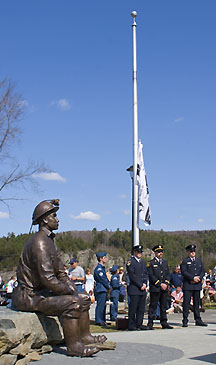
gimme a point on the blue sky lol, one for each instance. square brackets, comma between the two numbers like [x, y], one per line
[72, 62]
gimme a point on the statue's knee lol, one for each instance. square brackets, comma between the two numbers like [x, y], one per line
[73, 311]
[76, 312]
[86, 301]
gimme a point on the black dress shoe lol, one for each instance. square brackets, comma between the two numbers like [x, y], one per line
[141, 328]
[201, 323]
[184, 324]
[149, 327]
[132, 329]
[102, 324]
[166, 326]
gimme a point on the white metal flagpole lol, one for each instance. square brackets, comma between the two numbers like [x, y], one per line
[135, 203]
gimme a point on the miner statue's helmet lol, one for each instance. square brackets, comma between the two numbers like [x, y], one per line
[43, 209]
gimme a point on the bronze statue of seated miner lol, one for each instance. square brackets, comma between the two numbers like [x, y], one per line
[43, 285]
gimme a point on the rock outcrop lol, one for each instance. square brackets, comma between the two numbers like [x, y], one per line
[25, 336]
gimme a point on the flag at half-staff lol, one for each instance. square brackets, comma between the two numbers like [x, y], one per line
[144, 210]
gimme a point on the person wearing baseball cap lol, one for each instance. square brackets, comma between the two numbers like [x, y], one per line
[77, 275]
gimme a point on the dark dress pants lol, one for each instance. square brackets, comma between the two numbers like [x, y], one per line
[100, 311]
[156, 297]
[113, 308]
[136, 310]
[186, 304]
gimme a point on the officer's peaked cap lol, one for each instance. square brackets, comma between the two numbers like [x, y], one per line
[157, 248]
[191, 248]
[138, 248]
[101, 254]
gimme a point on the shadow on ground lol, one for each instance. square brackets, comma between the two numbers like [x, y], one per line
[210, 358]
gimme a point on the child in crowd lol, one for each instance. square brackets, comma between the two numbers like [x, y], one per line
[114, 295]
[176, 301]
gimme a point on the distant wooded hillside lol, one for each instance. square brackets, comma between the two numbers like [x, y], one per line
[118, 244]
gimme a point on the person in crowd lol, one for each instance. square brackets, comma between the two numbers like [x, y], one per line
[77, 274]
[102, 286]
[157, 314]
[138, 278]
[176, 301]
[211, 278]
[121, 274]
[127, 296]
[44, 286]
[11, 285]
[159, 279]
[92, 297]
[209, 290]
[108, 274]
[122, 279]
[89, 281]
[193, 272]
[203, 295]
[115, 292]
[176, 278]
[1, 282]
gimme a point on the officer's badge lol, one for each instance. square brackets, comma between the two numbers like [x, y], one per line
[128, 263]
[148, 264]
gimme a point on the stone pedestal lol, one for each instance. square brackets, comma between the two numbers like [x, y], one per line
[25, 333]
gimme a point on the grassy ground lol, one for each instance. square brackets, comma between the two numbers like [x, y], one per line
[99, 329]
[112, 326]
[210, 306]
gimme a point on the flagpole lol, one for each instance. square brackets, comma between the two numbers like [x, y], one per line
[135, 205]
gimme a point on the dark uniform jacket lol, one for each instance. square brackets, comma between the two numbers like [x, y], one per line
[189, 269]
[138, 275]
[40, 272]
[158, 274]
[102, 283]
[115, 285]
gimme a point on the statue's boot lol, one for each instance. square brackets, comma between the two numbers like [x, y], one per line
[75, 347]
[85, 334]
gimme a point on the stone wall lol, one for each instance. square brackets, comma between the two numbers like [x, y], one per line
[25, 336]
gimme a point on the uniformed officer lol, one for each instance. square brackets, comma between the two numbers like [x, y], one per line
[159, 279]
[138, 276]
[102, 286]
[193, 271]
[114, 294]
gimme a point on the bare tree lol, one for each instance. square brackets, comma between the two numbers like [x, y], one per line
[12, 108]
